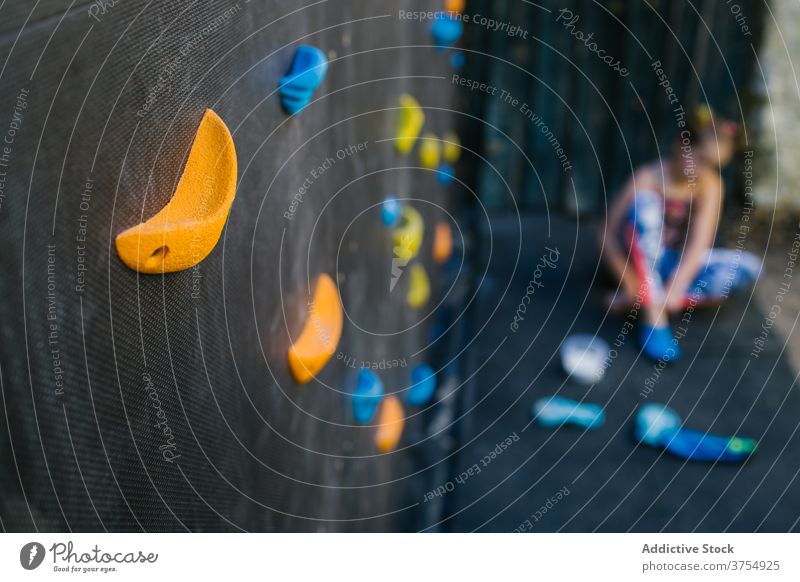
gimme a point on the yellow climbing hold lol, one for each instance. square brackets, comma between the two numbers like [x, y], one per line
[430, 151]
[321, 334]
[186, 230]
[390, 424]
[442, 242]
[419, 288]
[408, 234]
[452, 147]
[409, 123]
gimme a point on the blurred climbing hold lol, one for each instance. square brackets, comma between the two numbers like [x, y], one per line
[186, 230]
[553, 411]
[419, 287]
[423, 385]
[321, 333]
[430, 151]
[659, 426]
[584, 356]
[442, 242]
[446, 174]
[454, 6]
[408, 234]
[410, 121]
[306, 74]
[367, 396]
[390, 424]
[451, 147]
[447, 29]
[391, 211]
[457, 60]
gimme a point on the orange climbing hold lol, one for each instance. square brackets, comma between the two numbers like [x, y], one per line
[442, 242]
[390, 424]
[186, 230]
[456, 6]
[320, 336]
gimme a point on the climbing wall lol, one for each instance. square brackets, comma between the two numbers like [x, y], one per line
[134, 401]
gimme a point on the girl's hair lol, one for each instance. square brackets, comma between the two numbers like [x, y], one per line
[703, 123]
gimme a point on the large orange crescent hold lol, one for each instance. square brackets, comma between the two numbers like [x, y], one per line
[321, 334]
[390, 424]
[186, 230]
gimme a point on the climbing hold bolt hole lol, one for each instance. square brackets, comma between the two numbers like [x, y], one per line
[159, 254]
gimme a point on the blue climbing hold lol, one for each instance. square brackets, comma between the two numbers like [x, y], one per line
[446, 174]
[554, 411]
[305, 75]
[367, 396]
[446, 30]
[391, 211]
[660, 426]
[423, 385]
[458, 60]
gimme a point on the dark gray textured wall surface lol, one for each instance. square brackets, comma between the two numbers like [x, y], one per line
[113, 102]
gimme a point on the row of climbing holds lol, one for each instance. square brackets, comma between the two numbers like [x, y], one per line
[307, 72]
[321, 333]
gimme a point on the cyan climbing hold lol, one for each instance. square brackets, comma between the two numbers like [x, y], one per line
[408, 234]
[446, 174]
[451, 147]
[419, 288]
[305, 75]
[554, 411]
[430, 151]
[659, 426]
[186, 230]
[446, 30]
[367, 396]
[391, 211]
[423, 385]
[409, 123]
[321, 333]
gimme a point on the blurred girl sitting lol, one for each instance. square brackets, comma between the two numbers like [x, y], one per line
[665, 219]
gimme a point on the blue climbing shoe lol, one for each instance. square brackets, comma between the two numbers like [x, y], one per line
[554, 411]
[659, 426]
[446, 31]
[367, 396]
[305, 75]
[391, 211]
[423, 385]
[657, 343]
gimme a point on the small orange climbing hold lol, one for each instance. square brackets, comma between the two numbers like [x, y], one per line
[390, 424]
[442, 242]
[186, 230]
[456, 6]
[321, 334]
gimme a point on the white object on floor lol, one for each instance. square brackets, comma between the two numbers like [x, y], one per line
[584, 356]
